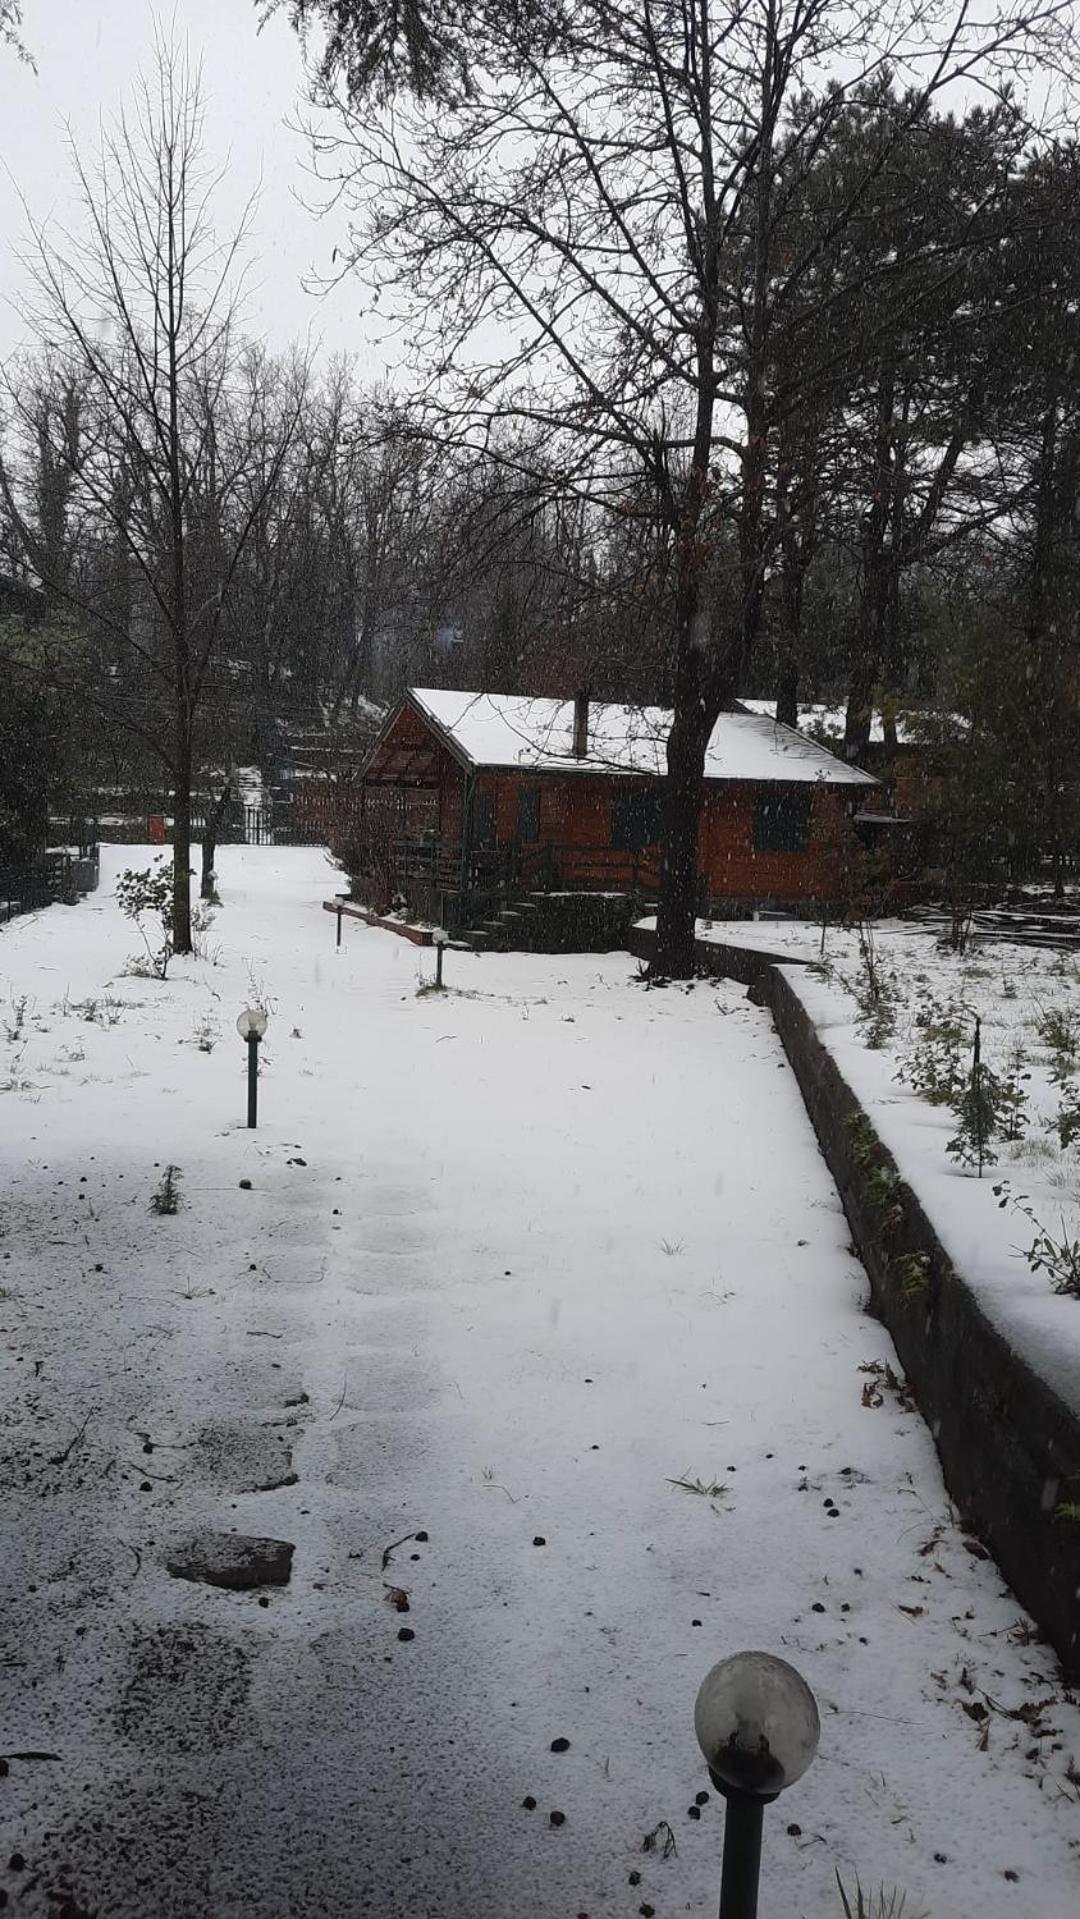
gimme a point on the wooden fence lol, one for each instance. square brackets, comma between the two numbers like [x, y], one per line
[56, 875]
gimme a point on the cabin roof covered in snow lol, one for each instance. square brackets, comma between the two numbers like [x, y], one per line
[510, 730]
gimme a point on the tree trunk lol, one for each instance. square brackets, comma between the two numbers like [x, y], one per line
[795, 514]
[787, 690]
[866, 665]
[676, 921]
[208, 882]
[182, 838]
[708, 675]
[793, 577]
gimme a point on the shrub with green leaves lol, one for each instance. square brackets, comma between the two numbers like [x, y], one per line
[1057, 1257]
[1058, 1028]
[877, 993]
[147, 896]
[910, 1273]
[1066, 1121]
[166, 1199]
[932, 1064]
[1013, 1099]
[977, 1111]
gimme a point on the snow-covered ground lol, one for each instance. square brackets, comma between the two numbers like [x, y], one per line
[513, 1262]
[1028, 1002]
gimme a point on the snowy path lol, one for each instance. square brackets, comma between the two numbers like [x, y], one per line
[531, 1255]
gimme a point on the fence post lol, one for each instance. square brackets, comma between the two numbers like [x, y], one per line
[338, 940]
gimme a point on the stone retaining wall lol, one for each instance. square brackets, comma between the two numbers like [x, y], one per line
[1009, 1445]
[745, 963]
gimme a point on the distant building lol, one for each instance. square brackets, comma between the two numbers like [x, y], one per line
[909, 770]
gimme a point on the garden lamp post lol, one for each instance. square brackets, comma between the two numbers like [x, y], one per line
[757, 1724]
[440, 939]
[251, 1026]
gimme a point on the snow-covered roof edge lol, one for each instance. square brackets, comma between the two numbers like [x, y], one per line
[493, 730]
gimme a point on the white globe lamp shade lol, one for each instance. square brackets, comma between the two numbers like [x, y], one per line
[252, 1022]
[757, 1724]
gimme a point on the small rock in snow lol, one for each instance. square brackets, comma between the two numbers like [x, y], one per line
[234, 1561]
[557, 1818]
[245, 1186]
[539, 1540]
[560, 1745]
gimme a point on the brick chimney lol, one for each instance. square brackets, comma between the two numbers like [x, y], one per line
[581, 725]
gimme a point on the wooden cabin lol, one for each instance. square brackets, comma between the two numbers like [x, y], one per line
[470, 798]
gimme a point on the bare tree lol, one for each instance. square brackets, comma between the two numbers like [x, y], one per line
[11, 29]
[138, 309]
[592, 244]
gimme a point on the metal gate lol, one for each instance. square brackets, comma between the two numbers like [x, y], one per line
[256, 827]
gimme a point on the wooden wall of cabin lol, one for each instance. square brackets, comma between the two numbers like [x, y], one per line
[732, 867]
[576, 811]
[572, 811]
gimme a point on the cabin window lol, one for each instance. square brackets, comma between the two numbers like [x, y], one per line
[528, 815]
[782, 822]
[635, 821]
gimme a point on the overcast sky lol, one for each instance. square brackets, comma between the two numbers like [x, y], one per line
[87, 53]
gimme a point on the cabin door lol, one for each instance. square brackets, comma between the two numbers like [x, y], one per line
[483, 820]
[528, 815]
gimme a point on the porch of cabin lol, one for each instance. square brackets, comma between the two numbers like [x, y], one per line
[457, 846]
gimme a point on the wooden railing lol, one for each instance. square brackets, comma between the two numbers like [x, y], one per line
[443, 882]
[592, 869]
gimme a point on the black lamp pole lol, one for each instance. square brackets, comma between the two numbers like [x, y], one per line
[742, 1852]
[253, 1078]
[758, 1727]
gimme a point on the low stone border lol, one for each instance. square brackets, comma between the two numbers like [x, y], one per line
[748, 964]
[1009, 1445]
[419, 935]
